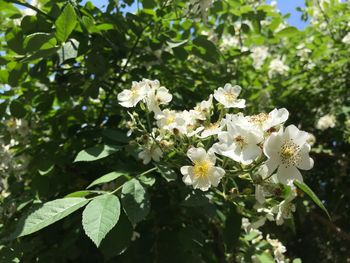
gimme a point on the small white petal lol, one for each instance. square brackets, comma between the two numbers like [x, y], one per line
[284, 175]
[305, 163]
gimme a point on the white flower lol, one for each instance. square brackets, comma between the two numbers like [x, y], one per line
[202, 110]
[170, 120]
[156, 97]
[211, 129]
[267, 121]
[285, 209]
[129, 98]
[259, 54]
[277, 66]
[288, 151]
[229, 41]
[203, 174]
[151, 153]
[227, 96]
[239, 143]
[346, 39]
[278, 249]
[325, 122]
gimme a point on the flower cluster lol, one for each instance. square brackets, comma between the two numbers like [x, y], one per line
[221, 142]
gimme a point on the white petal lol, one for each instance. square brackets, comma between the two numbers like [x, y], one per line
[305, 163]
[272, 164]
[196, 154]
[250, 153]
[240, 103]
[216, 173]
[284, 175]
[272, 144]
[299, 137]
[202, 183]
[187, 178]
[259, 194]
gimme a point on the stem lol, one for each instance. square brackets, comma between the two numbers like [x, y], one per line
[144, 173]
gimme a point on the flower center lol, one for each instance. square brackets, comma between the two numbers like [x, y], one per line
[134, 92]
[239, 140]
[289, 153]
[212, 126]
[259, 118]
[230, 97]
[201, 168]
[170, 119]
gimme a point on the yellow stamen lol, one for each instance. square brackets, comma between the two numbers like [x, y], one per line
[230, 96]
[201, 168]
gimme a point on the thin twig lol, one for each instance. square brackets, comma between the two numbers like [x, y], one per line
[31, 7]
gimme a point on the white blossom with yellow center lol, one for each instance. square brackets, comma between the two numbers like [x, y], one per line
[287, 151]
[240, 142]
[203, 173]
[171, 120]
[228, 95]
[130, 97]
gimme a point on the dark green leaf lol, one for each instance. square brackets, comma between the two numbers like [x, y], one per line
[312, 195]
[135, 201]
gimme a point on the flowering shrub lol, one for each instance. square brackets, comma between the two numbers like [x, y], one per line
[180, 169]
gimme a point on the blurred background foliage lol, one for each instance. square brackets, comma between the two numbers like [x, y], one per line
[59, 79]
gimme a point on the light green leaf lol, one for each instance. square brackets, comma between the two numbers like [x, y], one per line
[96, 153]
[65, 23]
[307, 190]
[106, 178]
[287, 32]
[48, 214]
[78, 194]
[265, 258]
[135, 201]
[100, 216]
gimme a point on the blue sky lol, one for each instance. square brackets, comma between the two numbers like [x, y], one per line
[285, 6]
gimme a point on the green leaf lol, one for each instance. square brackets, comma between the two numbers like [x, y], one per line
[176, 44]
[205, 49]
[96, 153]
[232, 229]
[167, 173]
[65, 23]
[39, 41]
[265, 258]
[100, 216]
[68, 50]
[303, 187]
[118, 239]
[48, 214]
[44, 53]
[116, 135]
[135, 201]
[82, 193]
[288, 32]
[17, 110]
[106, 178]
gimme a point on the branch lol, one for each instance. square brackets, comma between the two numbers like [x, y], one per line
[17, 2]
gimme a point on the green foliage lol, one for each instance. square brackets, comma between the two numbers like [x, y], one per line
[100, 216]
[65, 23]
[135, 201]
[61, 68]
[48, 214]
[312, 195]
